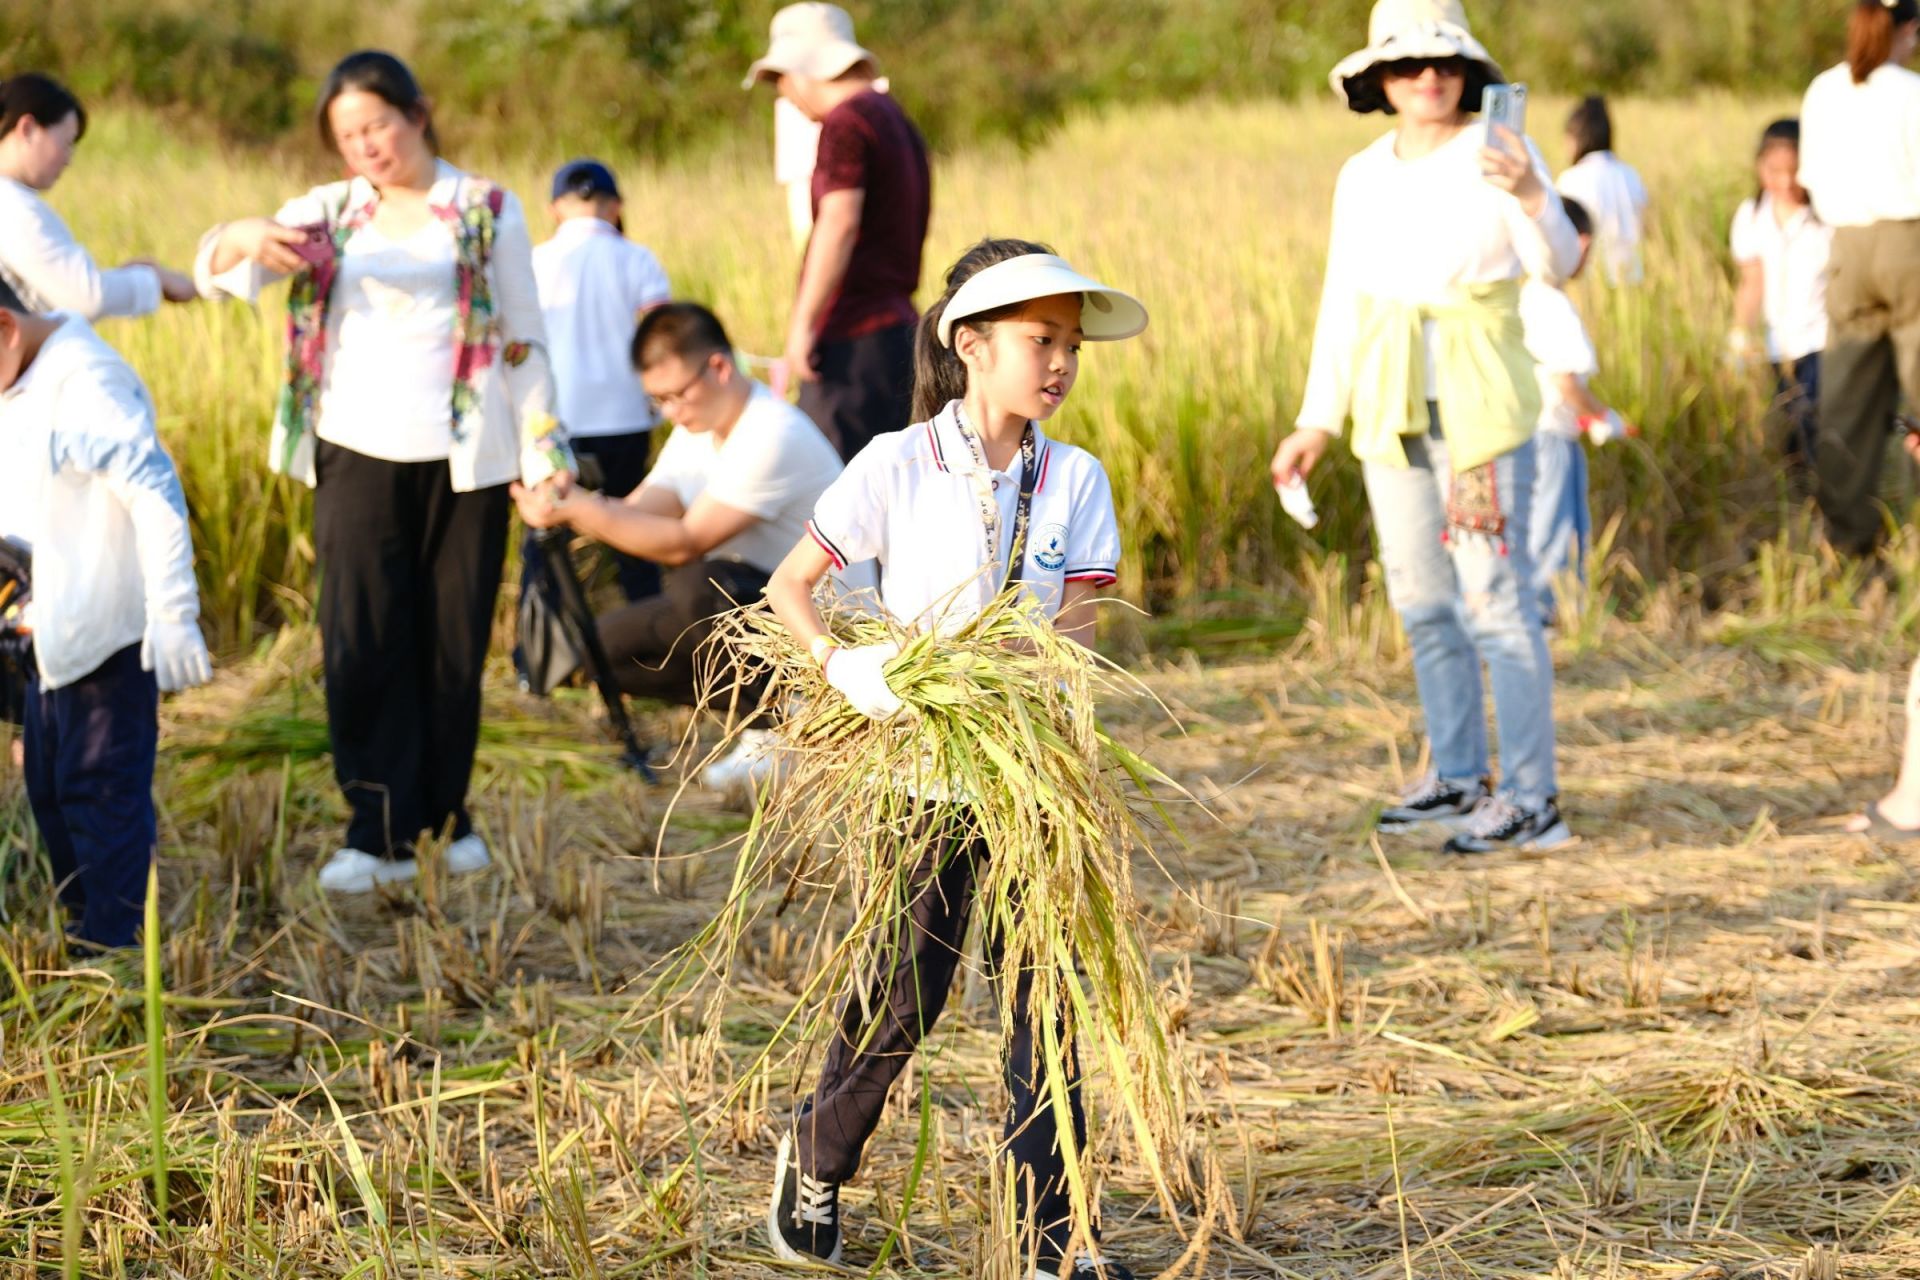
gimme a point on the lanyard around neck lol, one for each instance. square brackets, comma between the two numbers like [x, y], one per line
[990, 506]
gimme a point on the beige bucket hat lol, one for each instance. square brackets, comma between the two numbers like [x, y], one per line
[1403, 29]
[812, 40]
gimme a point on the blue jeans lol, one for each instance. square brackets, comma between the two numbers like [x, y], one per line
[1562, 523]
[1465, 601]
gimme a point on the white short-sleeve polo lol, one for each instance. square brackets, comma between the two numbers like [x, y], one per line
[912, 500]
[1793, 264]
[1558, 343]
[593, 284]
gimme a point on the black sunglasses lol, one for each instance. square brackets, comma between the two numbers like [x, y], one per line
[1413, 68]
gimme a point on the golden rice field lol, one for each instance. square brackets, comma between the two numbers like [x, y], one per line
[1687, 1047]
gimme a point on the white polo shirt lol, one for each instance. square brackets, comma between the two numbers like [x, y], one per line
[1793, 263]
[593, 284]
[773, 465]
[913, 501]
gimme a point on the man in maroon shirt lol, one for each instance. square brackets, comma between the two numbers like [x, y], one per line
[850, 335]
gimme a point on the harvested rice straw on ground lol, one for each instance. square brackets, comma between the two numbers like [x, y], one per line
[999, 742]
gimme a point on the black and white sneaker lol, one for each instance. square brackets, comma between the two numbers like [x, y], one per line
[1086, 1266]
[803, 1221]
[1433, 799]
[1499, 824]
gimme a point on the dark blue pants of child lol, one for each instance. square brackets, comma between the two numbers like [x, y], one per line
[90, 749]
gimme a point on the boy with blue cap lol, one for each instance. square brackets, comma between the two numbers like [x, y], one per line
[595, 284]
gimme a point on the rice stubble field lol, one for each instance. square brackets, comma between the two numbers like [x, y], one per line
[1683, 1047]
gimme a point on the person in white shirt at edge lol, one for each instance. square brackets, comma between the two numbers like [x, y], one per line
[1610, 189]
[595, 284]
[88, 491]
[1569, 411]
[728, 496]
[938, 505]
[796, 141]
[1782, 248]
[46, 268]
[1860, 164]
[1419, 340]
[418, 385]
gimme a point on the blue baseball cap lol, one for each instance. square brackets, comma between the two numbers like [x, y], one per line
[584, 178]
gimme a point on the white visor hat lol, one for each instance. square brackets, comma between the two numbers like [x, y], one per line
[1106, 315]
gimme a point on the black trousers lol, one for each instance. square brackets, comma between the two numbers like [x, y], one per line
[623, 464]
[90, 749]
[658, 646]
[409, 570]
[865, 388]
[907, 997]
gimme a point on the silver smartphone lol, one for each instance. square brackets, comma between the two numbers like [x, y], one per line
[1505, 104]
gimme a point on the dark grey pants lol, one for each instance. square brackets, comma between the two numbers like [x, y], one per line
[865, 388]
[907, 997]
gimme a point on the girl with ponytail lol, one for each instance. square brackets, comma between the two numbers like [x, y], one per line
[1860, 163]
[972, 499]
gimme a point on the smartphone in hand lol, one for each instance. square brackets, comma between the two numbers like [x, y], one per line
[1504, 104]
[316, 245]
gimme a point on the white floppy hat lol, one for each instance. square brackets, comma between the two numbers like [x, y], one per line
[1107, 315]
[812, 40]
[1404, 29]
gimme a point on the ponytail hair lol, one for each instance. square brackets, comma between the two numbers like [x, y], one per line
[1870, 31]
[1590, 127]
[939, 376]
[41, 97]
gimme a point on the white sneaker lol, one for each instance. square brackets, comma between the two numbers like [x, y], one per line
[468, 853]
[752, 762]
[351, 871]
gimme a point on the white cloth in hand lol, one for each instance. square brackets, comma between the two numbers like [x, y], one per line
[858, 674]
[176, 653]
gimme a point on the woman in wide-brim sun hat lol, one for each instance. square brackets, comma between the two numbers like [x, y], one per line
[1419, 343]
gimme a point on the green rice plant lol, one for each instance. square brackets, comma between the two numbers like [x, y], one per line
[999, 744]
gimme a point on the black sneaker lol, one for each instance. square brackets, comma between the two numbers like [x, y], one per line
[1500, 824]
[1086, 1266]
[803, 1221]
[1432, 799]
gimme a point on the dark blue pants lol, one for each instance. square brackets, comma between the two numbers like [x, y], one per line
[90, 750]
[1797, 399]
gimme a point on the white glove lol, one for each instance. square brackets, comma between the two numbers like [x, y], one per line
[857, 674]
[1602, 430]
[176, 653]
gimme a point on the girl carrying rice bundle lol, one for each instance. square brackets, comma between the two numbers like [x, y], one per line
[945, 745]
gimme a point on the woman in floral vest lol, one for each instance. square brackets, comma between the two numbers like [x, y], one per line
[417, 388]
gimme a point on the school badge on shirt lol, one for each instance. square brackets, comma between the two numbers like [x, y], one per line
[1050, 547]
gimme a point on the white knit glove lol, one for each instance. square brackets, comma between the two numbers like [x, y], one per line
[858, 674]
[176, 653]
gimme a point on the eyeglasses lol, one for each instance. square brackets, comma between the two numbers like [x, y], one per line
[1414, 68]
[665, 403]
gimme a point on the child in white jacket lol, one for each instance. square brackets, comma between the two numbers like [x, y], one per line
[86, 488]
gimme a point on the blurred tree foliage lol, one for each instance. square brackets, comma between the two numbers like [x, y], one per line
[552, 76]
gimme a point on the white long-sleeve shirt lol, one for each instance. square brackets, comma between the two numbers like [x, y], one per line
[51, 271]
[510, 394]
[1417, 231]
[1860, 146]
[1614, 195]
[85, 484]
